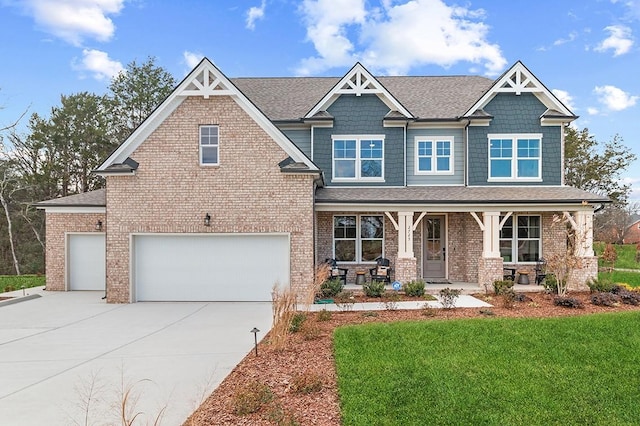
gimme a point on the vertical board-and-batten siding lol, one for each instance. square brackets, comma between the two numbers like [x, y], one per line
[457, 178]
[515, 114]
[361, 115]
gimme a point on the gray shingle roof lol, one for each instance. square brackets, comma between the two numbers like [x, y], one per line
[457, 195]
[97, 198]
[435, 98]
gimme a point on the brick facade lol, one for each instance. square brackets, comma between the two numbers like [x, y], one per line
[58, 225]
[171, 192]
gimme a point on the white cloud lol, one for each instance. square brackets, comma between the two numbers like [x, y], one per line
[99, 64]
[564, 97]
[75, 20]
[254, 13]
[571, 37]
[395, 37]
[614, 98]
[620, 40]
[592, 111]
[192, 59]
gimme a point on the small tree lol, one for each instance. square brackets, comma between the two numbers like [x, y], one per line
[609, 256]
[563, 263]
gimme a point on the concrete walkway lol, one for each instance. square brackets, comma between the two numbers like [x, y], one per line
[463, 301]
[66, 357]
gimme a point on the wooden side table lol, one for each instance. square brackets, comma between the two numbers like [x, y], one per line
[360, 277]
[523, 277]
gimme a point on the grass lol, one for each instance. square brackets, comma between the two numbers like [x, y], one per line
[631, 278]
[16, 282]
[554, 371]
[626, 255]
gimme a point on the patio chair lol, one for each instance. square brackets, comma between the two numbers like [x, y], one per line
[336, 272]
[382, 271]
[509, 274]
[541, 271]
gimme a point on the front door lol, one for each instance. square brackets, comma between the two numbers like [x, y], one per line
[434, 248]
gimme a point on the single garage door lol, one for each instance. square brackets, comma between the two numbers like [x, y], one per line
[236, 267]
[86, 261]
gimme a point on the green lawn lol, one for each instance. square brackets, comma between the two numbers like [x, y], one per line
[631, 278]
[16, 282]
[626, 255]
[554, 371]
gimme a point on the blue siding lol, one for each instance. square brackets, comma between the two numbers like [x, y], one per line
[301, 138]
[458, 158]
[361, 115]
[515, 114]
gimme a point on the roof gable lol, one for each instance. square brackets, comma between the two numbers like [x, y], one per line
[517, 80]
[204, 80]
[358, 81]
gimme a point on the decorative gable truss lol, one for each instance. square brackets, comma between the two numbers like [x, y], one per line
[358, 81]
[204, 80]
[517, 80]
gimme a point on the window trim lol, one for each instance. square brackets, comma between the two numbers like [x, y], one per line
[358, 238]
[201, 145]
[514, 157]
[358, 159]
[434, 158]
[514, 239]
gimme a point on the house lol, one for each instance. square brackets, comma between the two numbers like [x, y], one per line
[632, 233]
[232, 185]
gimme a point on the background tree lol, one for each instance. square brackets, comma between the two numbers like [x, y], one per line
[135, 93]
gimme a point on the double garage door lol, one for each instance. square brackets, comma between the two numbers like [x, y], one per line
[234, 267]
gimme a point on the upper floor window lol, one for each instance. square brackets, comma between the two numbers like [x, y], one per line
[434, 155]
[358, 158]
[209, 153]
[515, 156]
[521, 239]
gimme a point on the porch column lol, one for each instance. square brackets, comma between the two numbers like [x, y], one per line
[584, 233]
[582, 223]
[405, 268]
[490, 263]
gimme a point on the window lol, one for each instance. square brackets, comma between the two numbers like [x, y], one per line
[209, 145]
[522, 242]
[358, 157]
[434, 155]
[358, 238]
[515, 157]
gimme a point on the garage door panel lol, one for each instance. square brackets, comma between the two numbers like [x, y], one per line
[202, 268]
[86, 261]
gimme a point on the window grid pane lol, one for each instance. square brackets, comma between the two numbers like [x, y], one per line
[208, 144]
[524, 244]
[358, 238]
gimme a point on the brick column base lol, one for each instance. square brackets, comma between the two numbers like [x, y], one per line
[579, 277]
[406, 269]
[489, 270]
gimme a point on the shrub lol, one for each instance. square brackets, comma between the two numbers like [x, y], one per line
[310, 331]
[324, 315]
[521, 297]
[279, 416]
[391, 304]
[508, 298]
[429, 311]
[251, 398]
[627, 297]
[600, 285]
[296, 322]
[306, 383]
[500, 286]
[344, 300]
[568, 302]
[550, 284]
[609, 256]
[330, 288]
[414, 288]
[373, 289]
[605, 299]
[448, 297]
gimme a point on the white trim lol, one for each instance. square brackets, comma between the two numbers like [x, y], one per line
[214, 83]
[515, 239]
[73, 209]
[519, 79]
[434, 156]
[358, 81]
[358, 238]
[217, 145]
[358, 159]
[413, 125]
[514, 156]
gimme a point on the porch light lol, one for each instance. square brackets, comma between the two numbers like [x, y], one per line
[99, 225]
[207, 219]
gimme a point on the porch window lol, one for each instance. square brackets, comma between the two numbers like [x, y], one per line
[523, 242]
[358, 238]
[358, 158]
[209, 146]
[434, 155]
[515, 157]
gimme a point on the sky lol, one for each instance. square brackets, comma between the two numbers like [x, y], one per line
[587, 52]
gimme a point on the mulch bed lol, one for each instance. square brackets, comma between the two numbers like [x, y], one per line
[309, 355]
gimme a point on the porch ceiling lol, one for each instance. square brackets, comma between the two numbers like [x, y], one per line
[458, 198]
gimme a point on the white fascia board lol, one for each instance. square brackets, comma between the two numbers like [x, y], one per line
[450, 208]
[540, 90]
[72, 209]
[183, 90]
[377, 89]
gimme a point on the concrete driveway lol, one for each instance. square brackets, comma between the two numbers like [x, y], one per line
[66, 358]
